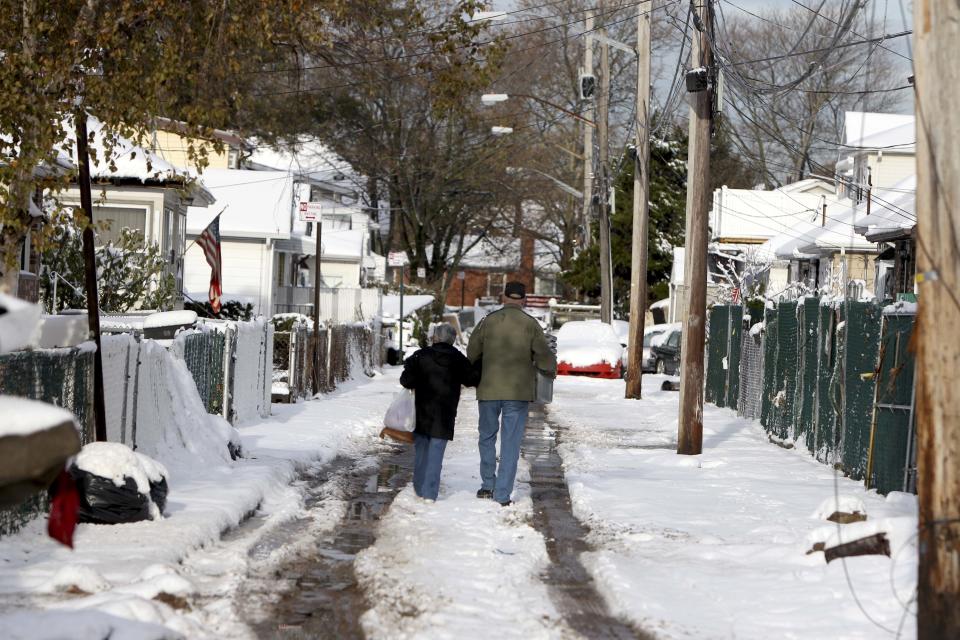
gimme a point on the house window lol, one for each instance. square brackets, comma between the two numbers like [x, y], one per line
[119, 218]
[281, 269]
[495, 282]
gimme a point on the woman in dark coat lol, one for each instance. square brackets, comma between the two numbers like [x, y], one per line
[435, 374]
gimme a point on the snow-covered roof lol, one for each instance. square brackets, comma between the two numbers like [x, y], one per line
[838, 233]
[259, 204]
[760, 214]
[128, 161]
[869, 130]
[343, 244]
[411, 304]
[311, 159]
[892, 212]
[502, 253]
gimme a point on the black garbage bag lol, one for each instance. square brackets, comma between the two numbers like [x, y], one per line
[158, 493]
[103, 502]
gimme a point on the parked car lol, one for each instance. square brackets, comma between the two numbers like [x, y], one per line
[589, 349]
[647, 364]
[665, 351]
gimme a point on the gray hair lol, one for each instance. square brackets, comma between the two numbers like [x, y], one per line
[444, 332]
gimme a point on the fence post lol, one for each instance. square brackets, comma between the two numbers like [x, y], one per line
[227, 373]
[330, 377]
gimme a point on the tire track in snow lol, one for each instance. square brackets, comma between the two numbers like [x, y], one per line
[571, 586]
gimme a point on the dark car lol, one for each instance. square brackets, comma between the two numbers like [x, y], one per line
[666, 352]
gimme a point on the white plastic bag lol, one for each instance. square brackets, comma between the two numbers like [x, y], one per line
[402, 413]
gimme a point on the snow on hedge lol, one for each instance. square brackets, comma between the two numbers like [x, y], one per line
[23, 417]
[18, 323]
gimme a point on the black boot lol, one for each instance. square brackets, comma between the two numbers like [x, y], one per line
[486, 494]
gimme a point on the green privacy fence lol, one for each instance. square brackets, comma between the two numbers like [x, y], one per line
[833, 377]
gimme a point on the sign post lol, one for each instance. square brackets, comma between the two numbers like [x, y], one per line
[399, 259]
[462, 277]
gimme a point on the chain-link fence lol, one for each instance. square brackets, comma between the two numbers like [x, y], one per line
[203, 353]
[63, 377]
[834, 377]
[345, 352]
[751, 370]
[891, 460]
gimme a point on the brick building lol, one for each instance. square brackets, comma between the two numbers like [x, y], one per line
[495, 261]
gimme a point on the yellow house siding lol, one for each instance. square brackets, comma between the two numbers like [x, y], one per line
[173, 147]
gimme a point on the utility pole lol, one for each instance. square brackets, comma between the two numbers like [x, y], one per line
[641, 186]
[90, 273]
[690, 426]
[588, 135]
[937, 29]
[603, 106]
[318, 260]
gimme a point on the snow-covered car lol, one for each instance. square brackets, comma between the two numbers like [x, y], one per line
[665, 350]
[589, 349]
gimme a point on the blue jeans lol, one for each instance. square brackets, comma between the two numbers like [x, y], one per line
[427, 462]
[514, 422]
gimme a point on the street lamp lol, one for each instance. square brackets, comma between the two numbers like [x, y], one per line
[490, 99]
[501, 131]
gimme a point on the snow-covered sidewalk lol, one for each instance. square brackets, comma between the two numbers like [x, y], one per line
[140, 572]
[459, 567]
[715, 545]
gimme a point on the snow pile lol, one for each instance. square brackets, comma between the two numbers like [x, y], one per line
[582, 343]
[74, 577]
[23, 417]
[173, 425]
[80, 625]
[18, 323]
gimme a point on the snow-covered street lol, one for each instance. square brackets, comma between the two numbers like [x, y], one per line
[710, 546]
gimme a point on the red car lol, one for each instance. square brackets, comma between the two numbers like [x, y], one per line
[589, 348]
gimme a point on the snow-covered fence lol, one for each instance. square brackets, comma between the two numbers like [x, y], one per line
[250, 373]
[835, 377]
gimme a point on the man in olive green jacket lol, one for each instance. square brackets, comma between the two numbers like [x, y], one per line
[510, 347]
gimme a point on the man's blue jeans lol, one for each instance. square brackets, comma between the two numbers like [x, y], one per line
[514, 423]
[427, 463]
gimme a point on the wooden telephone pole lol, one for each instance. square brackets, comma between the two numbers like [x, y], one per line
[588, 135]
[606, 257]
[641, 190]
[937, 29]
[90, 273]
[690, 426]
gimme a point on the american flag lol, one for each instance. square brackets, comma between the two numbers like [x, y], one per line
[736, 295]
[209, 241]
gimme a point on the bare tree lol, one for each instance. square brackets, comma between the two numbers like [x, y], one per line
[790, 77]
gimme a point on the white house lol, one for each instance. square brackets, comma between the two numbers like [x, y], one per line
[269, 230]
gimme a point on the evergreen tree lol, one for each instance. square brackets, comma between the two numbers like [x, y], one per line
[666, 229]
